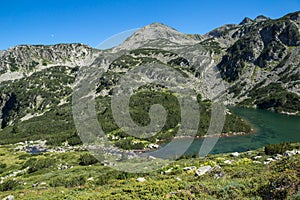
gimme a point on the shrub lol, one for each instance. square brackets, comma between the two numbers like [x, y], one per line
[102, 179]
[280, 186]
[75, 140]
[8, 185]
[87, 159]
[2, 167]
[35, 164]
[273, 149]
[232, 190]
[138, 146]
[68, 182]
[23, 156]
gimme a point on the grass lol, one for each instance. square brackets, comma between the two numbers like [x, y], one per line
[243, 179]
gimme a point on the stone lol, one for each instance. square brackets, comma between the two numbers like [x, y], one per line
[189, 168]
[278, 157]
[257, 157]
[152, 157]
[90, 179]
[9, 197]
[288, 153]
[217, 172]
[219, 175]
[228, 162]
[292, 153]
[270, 159]
[267, 162]
[63, 166]
[153, 146]
[141, 179]
[35, 185]
[168, 171]
[203, 170]
[235, 154]
[215, 168]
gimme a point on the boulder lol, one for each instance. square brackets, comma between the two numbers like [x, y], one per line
[277, 157]
[90, 179]
[43, 183]
[9, 197]
[270, 159]
[228, 162]
[235, 154]
[257, 157]
[292, 153]
[203, 170]
[219, 175]
[141, 179]
[35, 185]
[168, 171]
[267, 162]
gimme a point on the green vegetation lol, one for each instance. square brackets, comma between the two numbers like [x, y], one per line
[55, 126]
[28, 95]
[234, 62]
[273, 96]
[212, 45]
[274, 51]
[61, 127]
[87, 159]
[273, 149]
[68, 182]
[129, 62]
[38, 107]
[151, 52]
[35, 164]
[8, 185]
[245, 178]
[179, 61]
[139, 107]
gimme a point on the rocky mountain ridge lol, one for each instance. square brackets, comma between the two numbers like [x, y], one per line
[254, 63]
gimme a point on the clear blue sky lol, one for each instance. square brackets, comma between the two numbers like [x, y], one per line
[90, 22]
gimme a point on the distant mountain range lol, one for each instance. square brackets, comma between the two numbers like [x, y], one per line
[254, 64]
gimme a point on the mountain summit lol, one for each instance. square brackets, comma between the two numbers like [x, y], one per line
[260, 18]
[246, 20]
[153, 33]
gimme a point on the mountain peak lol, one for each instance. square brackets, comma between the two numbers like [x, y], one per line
[157, 24]
[260, 18]
[156, 32]
[246, 20]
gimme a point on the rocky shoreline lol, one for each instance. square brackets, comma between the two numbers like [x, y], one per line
[233, 134]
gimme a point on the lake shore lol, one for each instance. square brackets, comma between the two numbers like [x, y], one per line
[233, 134]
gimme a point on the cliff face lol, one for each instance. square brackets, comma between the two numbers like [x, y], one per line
[265, 55]
[254, 63]
[34, 79]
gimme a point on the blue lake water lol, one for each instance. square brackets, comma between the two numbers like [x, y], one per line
[270, 128]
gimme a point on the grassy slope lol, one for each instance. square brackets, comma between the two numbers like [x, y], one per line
[243, 179]
[56, 126]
